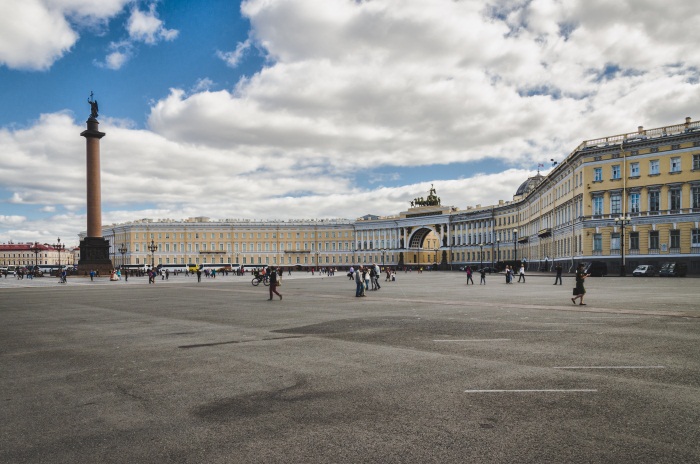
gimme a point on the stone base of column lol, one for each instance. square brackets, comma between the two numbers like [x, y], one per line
[94, 256]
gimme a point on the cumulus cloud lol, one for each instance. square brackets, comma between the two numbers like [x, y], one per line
[11, 220]
[232, 59]
[144, 26]
[121, 52]
[36, 33]
[45, 165]
[386, 83]
[405, 85]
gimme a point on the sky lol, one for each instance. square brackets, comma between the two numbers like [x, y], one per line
[304, 109]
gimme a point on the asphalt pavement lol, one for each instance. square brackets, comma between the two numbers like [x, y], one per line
[424, 370]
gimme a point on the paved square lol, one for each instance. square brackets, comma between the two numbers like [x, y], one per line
[424, 370]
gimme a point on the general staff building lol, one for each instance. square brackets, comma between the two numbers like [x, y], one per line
[626, 199]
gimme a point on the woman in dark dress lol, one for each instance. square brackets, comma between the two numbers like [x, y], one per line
[580, 289]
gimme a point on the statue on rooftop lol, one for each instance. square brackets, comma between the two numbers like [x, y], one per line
[432, 200]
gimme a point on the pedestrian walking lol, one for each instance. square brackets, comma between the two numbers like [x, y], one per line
[359, 283]
[521, 274]
[377, 273]
[469, 275]
[273, 283]
[579, 290]
[199, 275]
[558, 278]
[483, 276]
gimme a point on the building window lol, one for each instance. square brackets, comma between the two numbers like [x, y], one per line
[615, 242]
[654, 200]
[695, 197]
[615, 202]
[675, 239]
[676, 164]
[654, 167]
[654, 240]
[597, 206]
[616, 171]
[695, 238]
[598, 175]
[597, 242]
[674, 199]
[634, 240]
[634, 170]
[696, 162]
[634, 202]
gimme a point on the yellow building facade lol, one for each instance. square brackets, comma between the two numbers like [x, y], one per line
[625, 200]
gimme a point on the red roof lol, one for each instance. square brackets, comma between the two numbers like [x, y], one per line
[25, 247]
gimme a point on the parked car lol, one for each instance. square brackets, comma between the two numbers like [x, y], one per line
[644, 270]
[596, 268]
[673, 270]
[488, 270]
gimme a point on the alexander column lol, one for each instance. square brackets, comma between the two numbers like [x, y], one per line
[94, 249]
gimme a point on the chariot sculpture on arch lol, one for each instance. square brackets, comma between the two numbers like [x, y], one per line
[432, 200]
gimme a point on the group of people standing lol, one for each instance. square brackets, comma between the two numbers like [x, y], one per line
[510, 274]
[364, 276]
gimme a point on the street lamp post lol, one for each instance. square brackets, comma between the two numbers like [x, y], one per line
[318, 265]
[623, 221]
[515, 244]
[152, 248]
[481, 256]
[35, 248]
[59, 247]
[383, 250]
[122, 250]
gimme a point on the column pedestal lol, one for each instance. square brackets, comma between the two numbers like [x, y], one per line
[94, 256]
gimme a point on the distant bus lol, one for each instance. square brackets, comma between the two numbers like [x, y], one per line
[253, 267]
[217, 266]
[134, 267]
[49, 269]
[172, 267]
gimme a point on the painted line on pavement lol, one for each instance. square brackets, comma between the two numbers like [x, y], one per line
[574, 323]
[531, 330]
[532, 391]
[609, 367]
[477, 340]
